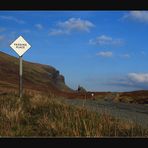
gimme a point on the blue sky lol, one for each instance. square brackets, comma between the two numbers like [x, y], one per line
[99, 50]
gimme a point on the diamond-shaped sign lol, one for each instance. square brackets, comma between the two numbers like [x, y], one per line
[20, 46]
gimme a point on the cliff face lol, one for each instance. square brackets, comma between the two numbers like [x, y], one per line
[35, 76]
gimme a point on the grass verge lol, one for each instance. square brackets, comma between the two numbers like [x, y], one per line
[39, 115]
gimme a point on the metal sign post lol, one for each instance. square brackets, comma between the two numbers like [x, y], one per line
[20, 46]
[21, 74]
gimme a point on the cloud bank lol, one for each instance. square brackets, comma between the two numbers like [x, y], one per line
[105, 54]
[138, 77]
[12, 18]
[105, 40]
[133, 80]
[141, 16]
[39, 26]
[72, 24]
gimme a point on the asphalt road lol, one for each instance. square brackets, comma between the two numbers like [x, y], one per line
[130, 112]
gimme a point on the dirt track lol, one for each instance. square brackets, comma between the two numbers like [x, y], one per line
[135, 112]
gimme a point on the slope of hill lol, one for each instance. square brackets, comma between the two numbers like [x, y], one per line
[43, 78]
[44, 116]
[35, 76]
[47, 79]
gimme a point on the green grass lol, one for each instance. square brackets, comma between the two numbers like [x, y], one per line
[39, 115]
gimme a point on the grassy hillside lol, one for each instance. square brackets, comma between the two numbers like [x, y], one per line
[47, 79]
[43, 78]
[35, 76]
[45, 115]
[41, 111]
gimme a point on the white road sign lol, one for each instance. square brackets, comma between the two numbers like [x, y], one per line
[20, 46]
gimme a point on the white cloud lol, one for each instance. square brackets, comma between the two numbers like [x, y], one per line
[105, 40]
[72, 24]
[11, 18]
[132, 80]
[138, 77]
[58, 32]
[39, 26]
[125, 55]
[105, 54]
[141, 16]
[76, 24]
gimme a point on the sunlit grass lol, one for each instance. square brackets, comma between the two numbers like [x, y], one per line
[37, 114]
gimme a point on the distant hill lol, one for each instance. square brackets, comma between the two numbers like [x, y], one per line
[35, 76]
